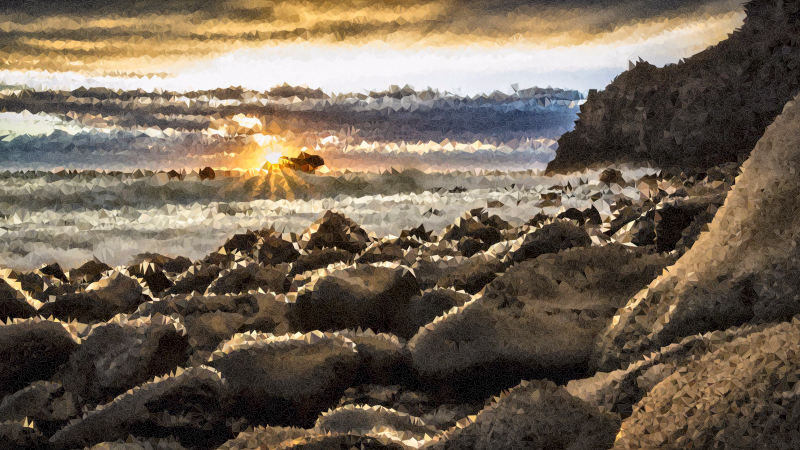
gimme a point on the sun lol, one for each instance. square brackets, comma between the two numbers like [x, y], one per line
[273, 158]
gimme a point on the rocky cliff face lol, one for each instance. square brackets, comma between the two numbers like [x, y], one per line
[707, 110]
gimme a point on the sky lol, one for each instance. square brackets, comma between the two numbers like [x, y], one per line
[465, 47]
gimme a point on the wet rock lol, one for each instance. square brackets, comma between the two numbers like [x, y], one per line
[536, 414]
[473, 273]
[114, 294]
[242, 242]
[612, 176]
[305, 162]
[265, 437]
[377, 253]
[132, 443]
[151, 270]
[743, 270]
[32, 350]
[289, 379]
[335, 230]
[539, 319]
[195, 279]
[273, 250]
[364, 419]
[90, 272]
[590, 215]
[469, 246]
[367, 296]
[53, 270]
[421, 310]
[672, 217]
[190, 404]
[207, 330]
[477, 224]
[742, 393]
[319, 259]
[19, 435]
[251, 277]
[14, 303]
[177, 265]
[121, 354]
[551, 238]
[418, 233]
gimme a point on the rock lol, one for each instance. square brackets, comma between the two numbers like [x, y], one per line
[14, 303]
[304, 162]
[289, 379]
[132, 443]
[157, 282]
[121, 354]
[590, 215]
[195, 279]
[43, 402]
[207, 330]
[274, 250]
[421, 310]
[384, 358]
[473, 273]
[550, 238]
[319, 259]
[90, 272]
[672, 217]
[207, 174]
[469, 246]
[177, 265]
[318, 441]
[418, 233]
[190, 404]
[32, 350]
[377, 253]
[265, 437]
[742, 393]
[538, 319]
[251, 277]
[114, 294]
[477, 224]
[364, 419]
[744, 269]
[612, 176]
[363, 296]
[536, 414]
[19, 435]
[53, 270]
[708, 110]
[335, 230]
[242, 242]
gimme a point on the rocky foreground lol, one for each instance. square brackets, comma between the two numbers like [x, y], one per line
[565, 332]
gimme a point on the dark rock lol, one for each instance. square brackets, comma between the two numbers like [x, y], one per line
[132, 443]
[418, 233]
[384, 358]
[47, 404]
[672, 217]
[363, 419]
[250, 278]
[286, 380]
[173, 174]
[536, 414]
[421, 310]
[743, 270]
[53, 270]
[114, 294]
[90, 272]
[319, 259]
[363, 296]
[265, 437]
[612, 176]
[207, 174]
[304, 162]
[157, 282]
[471, 274]
[274, 250]
[32, 350]
[590, 215]
[177, 265]
[195, 279]
[13, 301]
[709, 110]
[539, 319]
[191, 405]
[385, 252]
[118, 356]
[243, 242]
[19, 436]
[335, 230]
[470, 246]
[477, 224]
[551, 238]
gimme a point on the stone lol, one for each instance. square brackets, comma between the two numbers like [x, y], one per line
[421, 310]
[335, 230]
[550, 238]
[251, 277]
[319, 259]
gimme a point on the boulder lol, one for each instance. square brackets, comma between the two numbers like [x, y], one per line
[31, 350]
[421, 310]
[195, 279]
[612, 176]
[535, 415]
[335, 230]
[265, 437]
[364, 419]
[47, 404]
[115, 293]
[14, 302]
[207, 173]
[273, 250]
[304, 162]
[582, 216]
[384, 358]
[89, 272]
[289, 379]
[744, 269]
[123, 353]
[319, 259]
[190, 404]
[132, 443]
[20, 435]
[704, 111]
[538, 319]
[743, 394]
[473, 273]
[53, 270]
[367, 296]
[550, 238]
[251, 277]
[678, 215]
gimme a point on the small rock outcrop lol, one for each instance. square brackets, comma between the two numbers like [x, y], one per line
[335, 230]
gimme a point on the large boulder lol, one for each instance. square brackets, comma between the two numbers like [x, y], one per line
[422, 309]
[704, 111]
[46, 403]
[384, 358]
[319, 259]
[363, 420]
[746, 268]
[743, 395]
[250, 277]
[362, 296]
[265, 437]
[31, 350]
[539, 319]
[195, 279]
[115, 293]
[550, 238]
[289, 379]
[190, 404]
[676, 216]
[335, 230]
